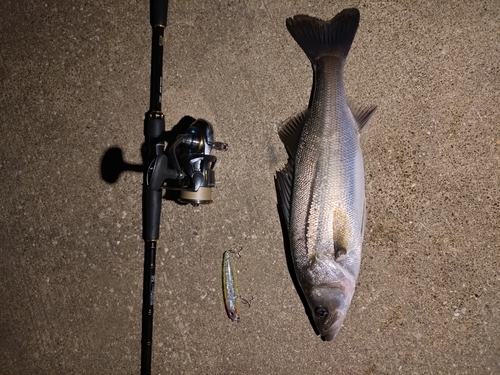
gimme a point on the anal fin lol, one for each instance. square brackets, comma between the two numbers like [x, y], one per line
[362, 114]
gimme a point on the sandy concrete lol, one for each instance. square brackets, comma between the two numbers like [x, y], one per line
[75, 82]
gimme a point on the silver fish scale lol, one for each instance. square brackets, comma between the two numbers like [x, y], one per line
[328, 191]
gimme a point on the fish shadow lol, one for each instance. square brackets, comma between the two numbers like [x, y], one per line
[289, 260]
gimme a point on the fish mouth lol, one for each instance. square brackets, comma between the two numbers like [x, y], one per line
[330, 311]
[334, 329]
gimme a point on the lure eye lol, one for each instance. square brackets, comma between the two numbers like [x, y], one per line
[321, 312]
[234, 317]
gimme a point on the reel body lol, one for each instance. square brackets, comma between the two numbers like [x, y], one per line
[187, 165]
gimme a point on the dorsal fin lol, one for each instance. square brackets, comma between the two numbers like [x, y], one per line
[290, 132]
[284, 181]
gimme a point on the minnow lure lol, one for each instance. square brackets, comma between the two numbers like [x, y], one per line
[232, 299]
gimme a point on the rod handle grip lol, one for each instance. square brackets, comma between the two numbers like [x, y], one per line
[152, 214]
[158, 9]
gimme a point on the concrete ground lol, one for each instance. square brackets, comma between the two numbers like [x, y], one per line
[75, 83]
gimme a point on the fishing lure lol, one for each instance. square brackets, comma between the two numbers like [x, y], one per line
[230, 288]
[232, 299]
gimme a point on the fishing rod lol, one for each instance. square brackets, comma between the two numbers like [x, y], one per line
[185, 166]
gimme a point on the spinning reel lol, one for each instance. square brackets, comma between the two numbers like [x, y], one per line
[187, 165]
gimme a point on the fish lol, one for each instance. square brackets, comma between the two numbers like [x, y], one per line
[320, 191]
[230, 288]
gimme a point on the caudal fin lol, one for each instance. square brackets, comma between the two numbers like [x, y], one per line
[322, 38]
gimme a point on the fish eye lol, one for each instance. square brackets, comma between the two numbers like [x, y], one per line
[321, 312]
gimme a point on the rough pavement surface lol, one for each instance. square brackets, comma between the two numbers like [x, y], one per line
[75, 83]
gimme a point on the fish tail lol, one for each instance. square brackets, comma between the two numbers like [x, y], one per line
[325, 38]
